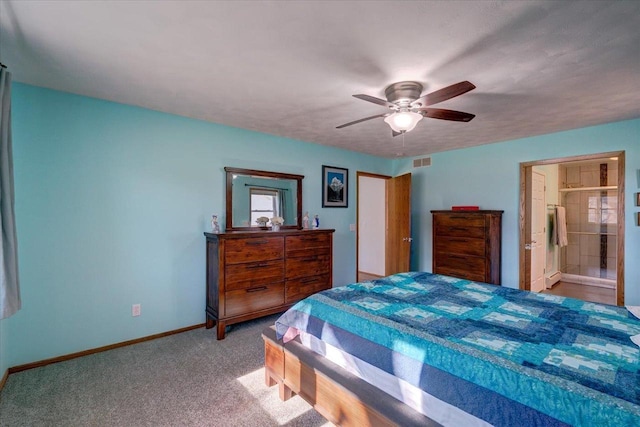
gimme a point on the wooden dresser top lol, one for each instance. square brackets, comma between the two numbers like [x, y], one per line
[264, 233]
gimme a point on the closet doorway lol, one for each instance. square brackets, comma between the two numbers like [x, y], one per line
[584, 199]
[383, 233]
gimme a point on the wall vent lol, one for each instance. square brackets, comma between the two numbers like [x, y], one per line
[418, 163]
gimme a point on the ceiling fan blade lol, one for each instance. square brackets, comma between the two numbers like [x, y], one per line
[375, 100]
[439, 113]
[443, 94]
[394, 133]
[361, 120]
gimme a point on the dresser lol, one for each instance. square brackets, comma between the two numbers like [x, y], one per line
[252, 274]
[467, 244]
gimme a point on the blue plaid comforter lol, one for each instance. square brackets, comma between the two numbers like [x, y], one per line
[506, 356]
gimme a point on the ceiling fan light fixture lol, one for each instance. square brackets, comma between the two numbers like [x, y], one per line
[408, 107]
[403, 121]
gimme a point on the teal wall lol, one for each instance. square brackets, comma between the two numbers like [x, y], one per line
[112, 200]
[489, 176]
[111, 204]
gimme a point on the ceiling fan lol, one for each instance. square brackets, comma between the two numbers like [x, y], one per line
[408, 107]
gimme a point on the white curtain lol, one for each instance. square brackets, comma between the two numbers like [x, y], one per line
[9, 282]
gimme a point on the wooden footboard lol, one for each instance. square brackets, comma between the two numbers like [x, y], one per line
[339, 396]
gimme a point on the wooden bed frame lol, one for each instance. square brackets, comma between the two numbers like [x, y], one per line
[336, 394]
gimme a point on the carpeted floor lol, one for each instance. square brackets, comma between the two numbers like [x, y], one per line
[187, 379]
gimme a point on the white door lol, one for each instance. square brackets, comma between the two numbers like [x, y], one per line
[538, 232]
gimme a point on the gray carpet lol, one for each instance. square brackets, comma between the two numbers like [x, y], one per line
[187, 379]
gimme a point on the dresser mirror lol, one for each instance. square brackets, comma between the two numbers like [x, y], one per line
[253, 193]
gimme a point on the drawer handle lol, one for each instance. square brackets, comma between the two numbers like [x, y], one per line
[463, 229]
[312, 258]
[257, 242]
[258, 289]
[310, 280]
[458, 257]
[259, 265]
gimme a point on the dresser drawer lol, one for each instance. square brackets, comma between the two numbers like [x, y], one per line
[243, 301]
[309, 253]
[461, 274]
[298, 289]
[459, 220]
[461, 225]
[472, 266]
[264, 271]
[461, 245]
[256, 249]
[308, 266]
[445, 231]
[310, 244]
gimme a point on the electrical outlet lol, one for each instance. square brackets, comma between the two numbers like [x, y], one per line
[352, 227]
[135, 310]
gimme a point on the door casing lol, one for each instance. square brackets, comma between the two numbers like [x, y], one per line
[524, 220]
[397, 220]
[538, 240]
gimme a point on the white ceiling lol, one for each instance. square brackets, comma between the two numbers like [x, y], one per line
[289, 68]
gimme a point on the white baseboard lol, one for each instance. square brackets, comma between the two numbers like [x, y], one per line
[552, 279]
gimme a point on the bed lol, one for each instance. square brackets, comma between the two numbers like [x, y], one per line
[425, 349]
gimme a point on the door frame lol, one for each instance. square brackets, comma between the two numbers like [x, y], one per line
[543, 260]
[525, 217]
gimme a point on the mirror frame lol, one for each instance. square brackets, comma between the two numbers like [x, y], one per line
[266, 174]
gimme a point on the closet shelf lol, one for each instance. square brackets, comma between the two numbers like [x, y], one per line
[588, 233]
[604, 188]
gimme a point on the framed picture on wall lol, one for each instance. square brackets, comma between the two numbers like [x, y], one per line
[637, 199]
[335, 182]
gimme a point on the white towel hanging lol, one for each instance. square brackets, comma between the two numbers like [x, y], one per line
[560, 229]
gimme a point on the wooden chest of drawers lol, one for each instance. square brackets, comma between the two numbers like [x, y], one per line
[466, 244]
[254, 274]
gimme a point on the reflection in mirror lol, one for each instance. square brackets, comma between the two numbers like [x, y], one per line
[253, 194]
[255, 197]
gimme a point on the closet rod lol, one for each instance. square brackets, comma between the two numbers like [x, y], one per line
[588, 233]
